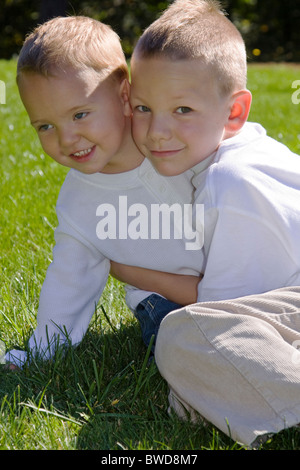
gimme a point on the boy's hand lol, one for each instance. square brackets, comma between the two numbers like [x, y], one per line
[181, 289]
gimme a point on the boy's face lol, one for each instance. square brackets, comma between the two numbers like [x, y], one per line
[79, 118]
[178, 114]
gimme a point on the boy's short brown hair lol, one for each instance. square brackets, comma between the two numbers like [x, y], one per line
[75, 41]
[198, 29]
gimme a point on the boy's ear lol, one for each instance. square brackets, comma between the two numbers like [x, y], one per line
[124, 95]
[239, 111]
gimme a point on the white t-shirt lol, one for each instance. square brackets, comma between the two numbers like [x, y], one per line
[250, 190]
[106, 217]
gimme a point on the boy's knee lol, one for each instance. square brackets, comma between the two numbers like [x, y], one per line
[170, 340]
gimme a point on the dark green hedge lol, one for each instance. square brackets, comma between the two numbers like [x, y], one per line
[271, 28]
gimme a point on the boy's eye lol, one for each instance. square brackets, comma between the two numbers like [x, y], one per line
[183, 110]
[143, 109]
[45, 127]
[80, 115]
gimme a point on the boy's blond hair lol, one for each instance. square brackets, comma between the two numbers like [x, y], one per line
[79, 42]
[198, 29]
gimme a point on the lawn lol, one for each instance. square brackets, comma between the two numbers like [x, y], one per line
[102, 395]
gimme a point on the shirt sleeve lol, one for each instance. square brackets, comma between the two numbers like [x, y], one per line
[246, 256]
[249, 243]
[73, 285]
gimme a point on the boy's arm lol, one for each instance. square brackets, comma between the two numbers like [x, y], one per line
[181, 289]
[74, 282]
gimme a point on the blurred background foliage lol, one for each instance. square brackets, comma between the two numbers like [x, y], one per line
[271, 28]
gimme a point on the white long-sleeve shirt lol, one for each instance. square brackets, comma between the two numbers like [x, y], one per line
[251, 194]
[105, 217]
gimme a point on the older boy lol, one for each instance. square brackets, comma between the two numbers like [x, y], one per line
[231, 361]
[190, 106]
[73, 81]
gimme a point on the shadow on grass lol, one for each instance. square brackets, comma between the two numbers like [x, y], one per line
[107, 389]
[112, 398]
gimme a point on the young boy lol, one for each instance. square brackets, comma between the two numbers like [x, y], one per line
[190, 106]
[230, 361]
[73, 81]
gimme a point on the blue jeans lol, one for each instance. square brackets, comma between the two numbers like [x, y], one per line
[150, 312]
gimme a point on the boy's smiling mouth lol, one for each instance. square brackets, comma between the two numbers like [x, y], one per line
[82, 155]
[164, 153]
[82, 152]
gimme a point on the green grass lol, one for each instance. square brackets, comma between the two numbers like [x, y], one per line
[102, 395]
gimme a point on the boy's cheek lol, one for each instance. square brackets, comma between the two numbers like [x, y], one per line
[139, 131]
[47, 148]
[139, 142]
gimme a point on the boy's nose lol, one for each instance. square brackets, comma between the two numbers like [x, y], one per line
[159, 129]
[67, 138]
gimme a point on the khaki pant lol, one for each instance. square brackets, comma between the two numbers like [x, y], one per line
[235, 362]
